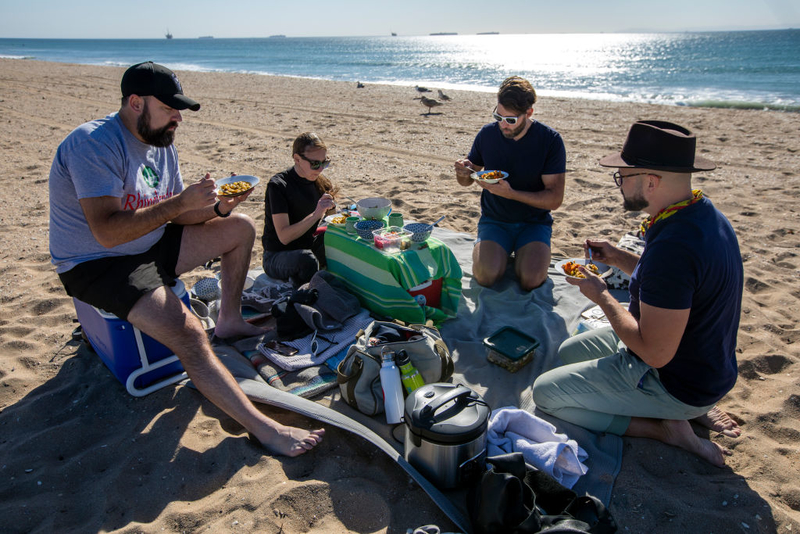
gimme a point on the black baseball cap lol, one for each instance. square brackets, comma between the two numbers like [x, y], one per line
[152, 79]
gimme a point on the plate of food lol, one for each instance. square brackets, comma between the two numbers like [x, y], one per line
[489, 177]
[337, 219]
[569, 267]
[233, 186]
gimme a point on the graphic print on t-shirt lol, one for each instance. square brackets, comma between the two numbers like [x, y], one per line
[150, 177]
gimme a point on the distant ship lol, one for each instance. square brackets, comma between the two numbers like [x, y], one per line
[394, 34]
[206, 37]
[488, 33]
[168, 35]
[279, 36]
[444, 33]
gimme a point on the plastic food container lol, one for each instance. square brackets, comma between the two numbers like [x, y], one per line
[388, 239]
[510, 349]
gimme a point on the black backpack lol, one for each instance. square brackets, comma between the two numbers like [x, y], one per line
[513, 497]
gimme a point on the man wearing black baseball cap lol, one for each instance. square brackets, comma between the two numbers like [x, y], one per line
[670, 356]
[151, 79]
[123, 227]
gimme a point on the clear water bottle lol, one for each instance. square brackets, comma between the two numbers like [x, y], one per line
[392, 389]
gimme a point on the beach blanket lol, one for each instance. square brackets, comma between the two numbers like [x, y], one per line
[550, 313]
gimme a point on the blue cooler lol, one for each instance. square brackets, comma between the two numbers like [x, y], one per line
[137, 360]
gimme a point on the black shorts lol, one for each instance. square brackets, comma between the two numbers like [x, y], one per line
[115, 284]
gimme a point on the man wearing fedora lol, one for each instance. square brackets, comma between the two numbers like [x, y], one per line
[123, 227]
[670, 356]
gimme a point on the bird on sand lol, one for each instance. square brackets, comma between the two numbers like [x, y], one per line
[422, 89]
[429, 103]
[359, 85]
[444, 96]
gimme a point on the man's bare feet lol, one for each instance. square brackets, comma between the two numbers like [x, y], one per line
[679, 434]
[719, 421]
[237, 328]
[290, 441]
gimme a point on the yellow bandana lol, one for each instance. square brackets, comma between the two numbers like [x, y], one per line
[670, 210]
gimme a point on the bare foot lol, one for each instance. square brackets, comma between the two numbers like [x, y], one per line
[291, 441]
[679, 434]
[238, 328]
[719, 421]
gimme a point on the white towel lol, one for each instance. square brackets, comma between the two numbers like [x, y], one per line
[515, 430]
[328, 344]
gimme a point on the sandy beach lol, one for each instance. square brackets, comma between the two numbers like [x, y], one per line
[78, 454]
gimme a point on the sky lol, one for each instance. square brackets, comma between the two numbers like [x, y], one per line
[100, 19]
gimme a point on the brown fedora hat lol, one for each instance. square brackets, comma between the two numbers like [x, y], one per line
[659, 145]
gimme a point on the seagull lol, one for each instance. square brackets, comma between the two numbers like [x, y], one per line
[429, 103]
[443, 96]
[422, 89]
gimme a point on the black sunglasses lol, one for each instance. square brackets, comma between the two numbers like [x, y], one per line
[316, 164]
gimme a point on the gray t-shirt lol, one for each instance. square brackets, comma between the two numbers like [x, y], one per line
[102, 158]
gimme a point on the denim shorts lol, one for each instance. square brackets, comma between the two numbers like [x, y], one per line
[513, 236]
[116, 283]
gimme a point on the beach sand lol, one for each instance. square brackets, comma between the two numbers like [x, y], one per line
[78, 454]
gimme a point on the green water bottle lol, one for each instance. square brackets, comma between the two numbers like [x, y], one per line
[409, 375]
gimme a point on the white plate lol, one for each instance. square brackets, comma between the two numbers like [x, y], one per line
[329, 218]
[479, 177]
[604, 270]
[252, 180]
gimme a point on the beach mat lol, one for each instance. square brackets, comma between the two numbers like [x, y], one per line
[549, 313]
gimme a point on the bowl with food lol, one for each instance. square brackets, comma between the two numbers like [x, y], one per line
[234, 186]
[374, 208]
[365, 228]
[388, 239]
[489, 177]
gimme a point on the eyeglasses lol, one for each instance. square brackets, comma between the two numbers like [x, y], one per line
[618, 177]
[316, 164]
[499, 118]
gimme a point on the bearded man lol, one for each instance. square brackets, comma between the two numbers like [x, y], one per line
[123, 227]
[671, 356]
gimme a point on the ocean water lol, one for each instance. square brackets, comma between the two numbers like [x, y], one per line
[748, 69]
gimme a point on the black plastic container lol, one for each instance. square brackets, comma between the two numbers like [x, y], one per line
[510, 349]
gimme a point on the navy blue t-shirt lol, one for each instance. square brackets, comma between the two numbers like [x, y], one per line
[692, 260]
[540, 151]
[290, 193]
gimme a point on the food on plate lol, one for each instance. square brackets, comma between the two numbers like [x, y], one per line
[339, 219]
[234, 188]
[491, 175]
[571, 269]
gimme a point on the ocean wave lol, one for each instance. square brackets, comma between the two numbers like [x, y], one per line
[8, 56]
[760, 106]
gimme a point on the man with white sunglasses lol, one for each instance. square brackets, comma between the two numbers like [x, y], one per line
[515, 211]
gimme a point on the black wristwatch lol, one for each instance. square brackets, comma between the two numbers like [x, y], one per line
[219, 213]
